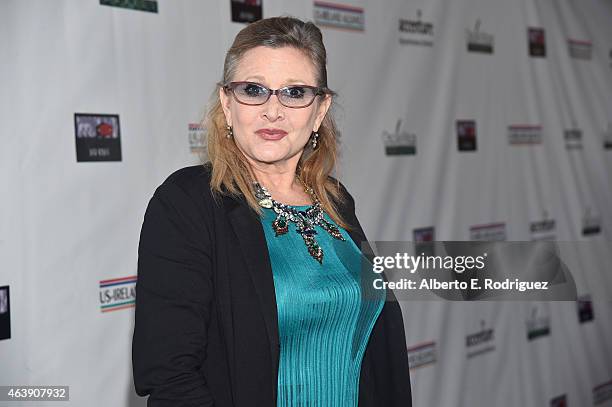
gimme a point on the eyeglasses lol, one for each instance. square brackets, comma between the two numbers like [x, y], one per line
[293, 96]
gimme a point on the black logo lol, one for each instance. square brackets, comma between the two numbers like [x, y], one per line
[466, 135]
[5, 313]
[424, 239]
[538, 324]
[416, 32]
[585, 308]
[400, 142]
[479, 41]
[246, 11]
[591, 223]
[543, 229]
[573, 138]
[98, 137]
[607, 137]
[559, 401]
[480, 342]
[537, 42]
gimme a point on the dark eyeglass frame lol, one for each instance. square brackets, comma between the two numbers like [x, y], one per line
[318, 91]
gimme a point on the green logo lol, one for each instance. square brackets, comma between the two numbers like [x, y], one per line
[143, 5]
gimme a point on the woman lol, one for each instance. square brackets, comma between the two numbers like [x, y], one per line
[248, 287]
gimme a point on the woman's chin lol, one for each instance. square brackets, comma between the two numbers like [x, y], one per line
[271, 157]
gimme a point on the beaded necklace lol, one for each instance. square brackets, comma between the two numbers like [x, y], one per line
[305, 220]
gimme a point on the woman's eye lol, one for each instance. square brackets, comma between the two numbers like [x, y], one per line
[253, 90]
[296, 92]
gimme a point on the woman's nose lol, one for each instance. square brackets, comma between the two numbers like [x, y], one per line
[273, 108]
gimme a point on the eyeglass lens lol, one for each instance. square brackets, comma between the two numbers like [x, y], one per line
[293, 96]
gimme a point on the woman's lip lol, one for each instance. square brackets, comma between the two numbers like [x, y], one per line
[271, 134]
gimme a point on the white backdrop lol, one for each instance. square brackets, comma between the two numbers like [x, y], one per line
[69, 229]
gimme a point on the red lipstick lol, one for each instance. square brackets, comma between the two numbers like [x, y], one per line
[271, 134]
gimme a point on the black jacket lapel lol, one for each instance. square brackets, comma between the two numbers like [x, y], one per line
[252, 244]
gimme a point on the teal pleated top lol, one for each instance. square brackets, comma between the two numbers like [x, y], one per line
[324, 321]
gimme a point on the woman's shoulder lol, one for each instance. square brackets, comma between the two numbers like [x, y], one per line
[191, 181]
[191, 176]
[346, 196]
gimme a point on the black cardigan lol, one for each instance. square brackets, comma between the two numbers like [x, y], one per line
[206, 328]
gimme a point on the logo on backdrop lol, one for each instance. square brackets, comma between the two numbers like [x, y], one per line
[466, 135]
[480, 342]
[479, 41]
[524, 134]
[422, 355]
[492, 232]
[246, 11]
[585, 308]
[197, 138]
[573, 138]
[5, 313]
[142, 5]
[98, 137]
[538, 323]
[339, 16]
[579, 49]
[416, 32]
[399, 142]
[607, 137]
[591, 223]
[602, 393]
[423, 241]
[117, 293]
[537, 42]
[559, 401]
[543, 229]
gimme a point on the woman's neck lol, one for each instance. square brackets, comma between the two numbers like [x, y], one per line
[283, 185]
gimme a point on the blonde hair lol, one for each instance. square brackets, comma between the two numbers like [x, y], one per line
[231, 173]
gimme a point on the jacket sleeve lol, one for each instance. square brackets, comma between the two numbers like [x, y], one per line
[173, 296]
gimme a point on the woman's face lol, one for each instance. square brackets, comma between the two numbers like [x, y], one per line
[254, 127]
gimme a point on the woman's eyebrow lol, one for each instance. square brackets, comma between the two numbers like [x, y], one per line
[262, 79]
[256, 77]
[295, 81]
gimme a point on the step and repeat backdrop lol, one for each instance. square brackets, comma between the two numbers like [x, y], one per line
[460, 120]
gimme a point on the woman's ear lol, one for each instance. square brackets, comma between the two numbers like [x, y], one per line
[322, 111]
[225, 101]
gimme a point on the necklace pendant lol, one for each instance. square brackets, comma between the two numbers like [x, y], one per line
[280, 225]
[317, 253]
[336, 233]
[313, 248]
[265, 203]
[332, 230]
